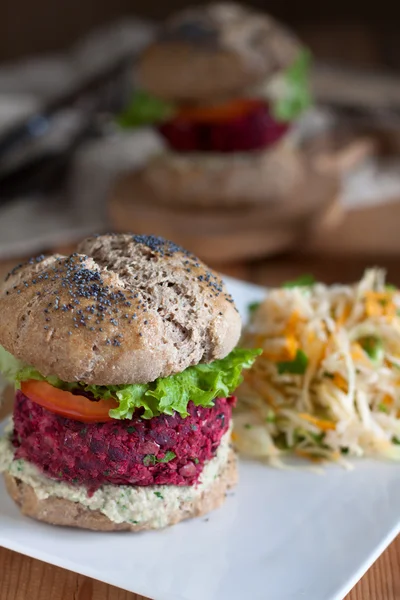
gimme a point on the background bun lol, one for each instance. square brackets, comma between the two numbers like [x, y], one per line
[124, 309]
[59, 511]
[216, 180]
[213, 51]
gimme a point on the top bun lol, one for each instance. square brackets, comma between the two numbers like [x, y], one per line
[124, 309]
[213, 51]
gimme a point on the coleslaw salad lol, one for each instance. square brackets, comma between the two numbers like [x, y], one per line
[327, 384]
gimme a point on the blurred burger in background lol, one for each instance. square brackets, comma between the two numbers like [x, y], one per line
[223, 85]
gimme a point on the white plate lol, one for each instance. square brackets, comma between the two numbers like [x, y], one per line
[280, 536]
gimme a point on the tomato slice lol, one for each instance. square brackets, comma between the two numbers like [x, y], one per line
[217, 113]
[66, 404]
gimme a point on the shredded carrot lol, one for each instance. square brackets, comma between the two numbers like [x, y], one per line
[287, 351]
[340, 382]
[291, 347]
[259, 340]
[311, 337]
[378, 304]
[312, 457]
[234, 436]
[387, 400]
[316, 348]
[341, 319]
[323, 424]
[358, 354]
[292, 322]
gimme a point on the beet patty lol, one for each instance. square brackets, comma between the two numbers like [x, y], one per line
[164, 450]
[253, 131]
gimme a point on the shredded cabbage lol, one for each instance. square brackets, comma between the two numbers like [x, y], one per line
[343, 399]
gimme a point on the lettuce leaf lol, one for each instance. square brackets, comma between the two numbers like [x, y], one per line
[297, 366]
[201, 384]
[253, 306]
[9, 366]
[145, 109]
[297, 96]
[302, 281]
[15, 371]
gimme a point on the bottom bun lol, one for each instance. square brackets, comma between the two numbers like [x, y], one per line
[215, 181]
[59, 511]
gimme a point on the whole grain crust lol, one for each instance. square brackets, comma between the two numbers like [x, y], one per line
[123, 309]
[252, 179]
[58, 511]
[216, 50]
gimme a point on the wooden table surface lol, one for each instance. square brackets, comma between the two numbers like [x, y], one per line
[23, 578]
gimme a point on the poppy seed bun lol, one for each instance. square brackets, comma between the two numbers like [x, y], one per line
[59, 511]
[217, 181]
[212, 51]
[124, 309]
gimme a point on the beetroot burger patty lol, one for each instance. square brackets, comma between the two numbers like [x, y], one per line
[253, 131]
[164, 450]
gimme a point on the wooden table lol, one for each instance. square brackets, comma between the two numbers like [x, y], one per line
[23, 578]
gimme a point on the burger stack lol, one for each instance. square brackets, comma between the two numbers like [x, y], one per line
[124, 363]
[224, 86]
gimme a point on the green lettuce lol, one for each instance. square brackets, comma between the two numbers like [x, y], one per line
[15, 371]
[145, 109]
[253, 306]
[302, 281]
[373, 346]
[201, 384]
[297, 366]
[9, 365]
[297, 96]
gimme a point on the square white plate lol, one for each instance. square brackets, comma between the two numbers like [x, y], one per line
[282, 535]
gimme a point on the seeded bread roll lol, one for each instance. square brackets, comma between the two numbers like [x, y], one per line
[217, 181]
[212, 51]
[124, 309]
[59, 511]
